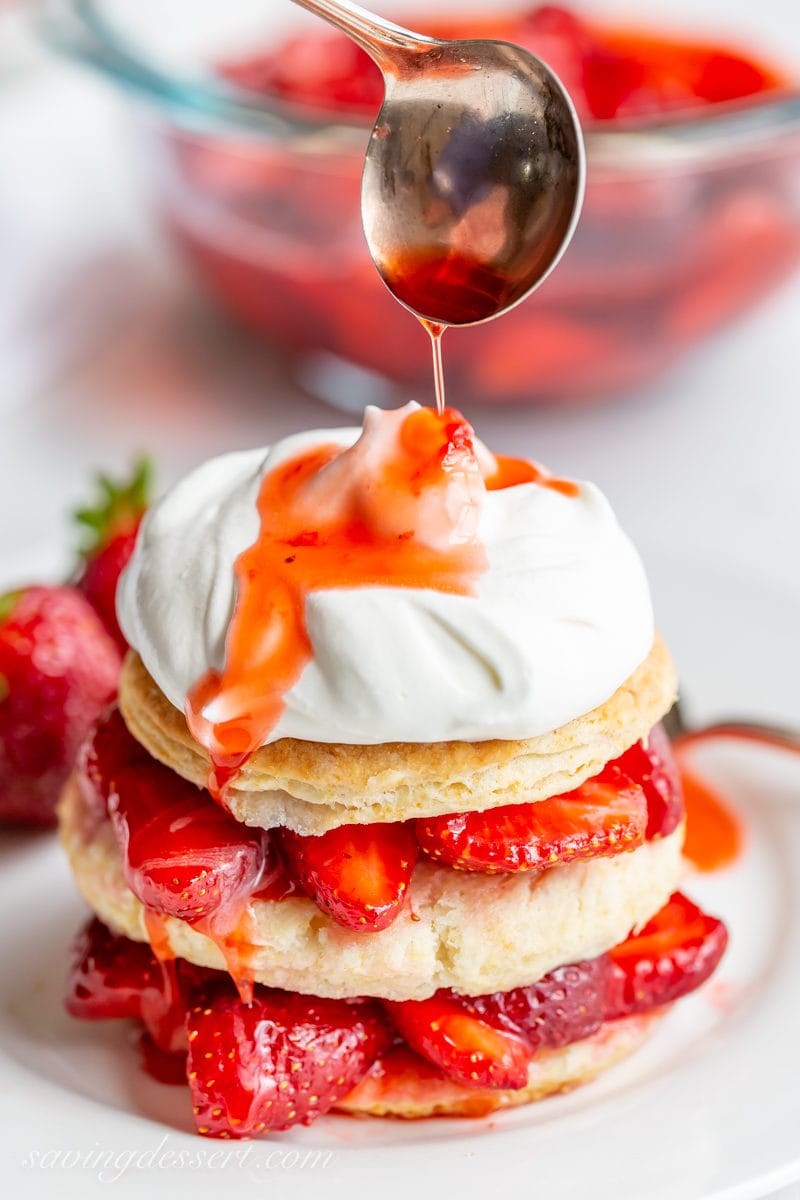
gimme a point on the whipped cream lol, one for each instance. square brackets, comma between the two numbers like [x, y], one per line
[561, 615]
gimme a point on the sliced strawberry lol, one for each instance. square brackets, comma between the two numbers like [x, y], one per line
[111, 526]
[358, 874]
[276, 881]
[108, 748]
[113, 977]
[566, 1005]
[605, 815]
[281, 1061]
[673, 954]
[474, 1050]
[165, 1066]
[488, 1041]
[652, 764]
[184, 856]
[108, 974]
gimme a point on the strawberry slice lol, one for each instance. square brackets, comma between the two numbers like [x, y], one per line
[184, 856]
[112, 977]
[672, 955]
[488, 1041]
[606, 815]
[165, 1066]
[108, 748]
[280, 1061]
[564, 1006]
[471, 1048]
[109, 974]
[652, 764]
[358, 874]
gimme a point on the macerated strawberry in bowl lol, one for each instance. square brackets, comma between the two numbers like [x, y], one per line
[256, 166]
[390, 856]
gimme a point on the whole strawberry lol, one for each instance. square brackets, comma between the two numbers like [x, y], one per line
[58, 670]
[111, 527]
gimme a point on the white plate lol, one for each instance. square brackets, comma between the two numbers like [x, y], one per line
[708, 1108]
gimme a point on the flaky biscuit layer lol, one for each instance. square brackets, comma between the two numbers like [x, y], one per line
[475, 933]
[551, 1071]
[313, 786]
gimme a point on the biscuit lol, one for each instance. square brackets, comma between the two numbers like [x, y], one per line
[409, 1087]
[458, 929]
[313, 786]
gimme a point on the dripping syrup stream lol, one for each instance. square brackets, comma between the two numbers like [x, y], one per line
[436, 333]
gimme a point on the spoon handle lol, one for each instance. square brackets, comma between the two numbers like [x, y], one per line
[388, 44]
[759, 731]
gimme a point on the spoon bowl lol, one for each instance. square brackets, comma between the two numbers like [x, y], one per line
[474, 174]
[473, 181]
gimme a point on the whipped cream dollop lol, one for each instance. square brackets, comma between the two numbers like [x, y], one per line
[560, 616]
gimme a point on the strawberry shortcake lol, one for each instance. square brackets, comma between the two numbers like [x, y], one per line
[385, 821]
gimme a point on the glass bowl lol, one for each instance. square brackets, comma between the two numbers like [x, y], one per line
[688, 220]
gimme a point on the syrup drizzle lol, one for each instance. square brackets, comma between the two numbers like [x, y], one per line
[323, 527]
[436, 333]
[231, 929]
[158, 936]
[234, 935]
[231, 712]
[715, 833]
[513, 471]
[460, 288]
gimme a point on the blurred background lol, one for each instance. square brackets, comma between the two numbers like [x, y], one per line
[183, 271]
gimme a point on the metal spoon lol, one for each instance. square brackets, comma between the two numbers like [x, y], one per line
[474, 174]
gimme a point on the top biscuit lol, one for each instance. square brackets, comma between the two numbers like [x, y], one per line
[314, 786]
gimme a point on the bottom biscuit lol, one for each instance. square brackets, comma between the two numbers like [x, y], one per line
[404, 1085]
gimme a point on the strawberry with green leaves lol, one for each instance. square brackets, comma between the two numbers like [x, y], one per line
[111, 526]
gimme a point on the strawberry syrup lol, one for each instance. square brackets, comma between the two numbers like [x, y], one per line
[158, 935]
[513, 471]
[402, 516]
[715, 833]
[327, 528]
[461, 290]
[436, 333]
